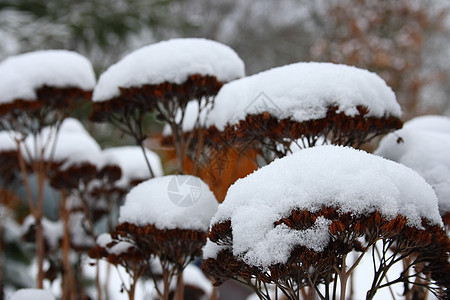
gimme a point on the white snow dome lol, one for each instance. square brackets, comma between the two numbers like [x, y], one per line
[132, 163]
[424, 146]
[304, 91]
[348, 180]
[35, 294]
[23, 74]
[169, 61]
[430, 122]
[169, 202]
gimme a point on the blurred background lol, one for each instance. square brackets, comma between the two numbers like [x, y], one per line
[407, 42]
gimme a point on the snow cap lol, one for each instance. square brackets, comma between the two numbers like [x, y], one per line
[349, 180]
[169, 61]
[169, 202]
[23, 74]
[424, 146]
[35, 294]
[304, 91]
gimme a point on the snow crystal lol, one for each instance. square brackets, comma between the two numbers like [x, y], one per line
[303, 91]
[71, 145]
[169, 202]
[21, 75]
[35, 294]
[424, 147]
[170, 61]
[352, 181]
[280, 241]
[132, 162]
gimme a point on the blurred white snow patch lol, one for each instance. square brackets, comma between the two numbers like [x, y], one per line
[23, 74]
[304, 91]
[423, 144]
[121, 247]
[132, 163]
[53, 230]
[170, 61]
[433, 123]
[32, 294]
[193, 276]
[7, 140]
[71, 145]
[169, 202]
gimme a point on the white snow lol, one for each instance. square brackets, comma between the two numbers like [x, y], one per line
[105, 238]
[7, 142]
[22, 74]
[71, 145]
[352, 181]
[169, 202]
[53, 231]
[425, 147]
[132, 162]
[78, 236]
[34, 294]
[210, 250]
[303, 91]
[429, 122]
[169, 61]
[192, 275]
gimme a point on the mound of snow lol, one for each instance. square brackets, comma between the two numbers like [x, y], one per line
[169, 202]
[424, 147]
[304, 91]
[169, 61]
[23, 74]
[34, 294]
[349, 180]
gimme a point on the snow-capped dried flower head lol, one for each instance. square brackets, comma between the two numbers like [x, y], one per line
[169, 202]
[423, 144]
[313, 102]
[23, 75]
[172, 61]
[41, 88]
[305, 211]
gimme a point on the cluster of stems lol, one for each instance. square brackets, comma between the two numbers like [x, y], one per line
[272, 137]
[27, 119]
[308, 274]
[149, 252]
